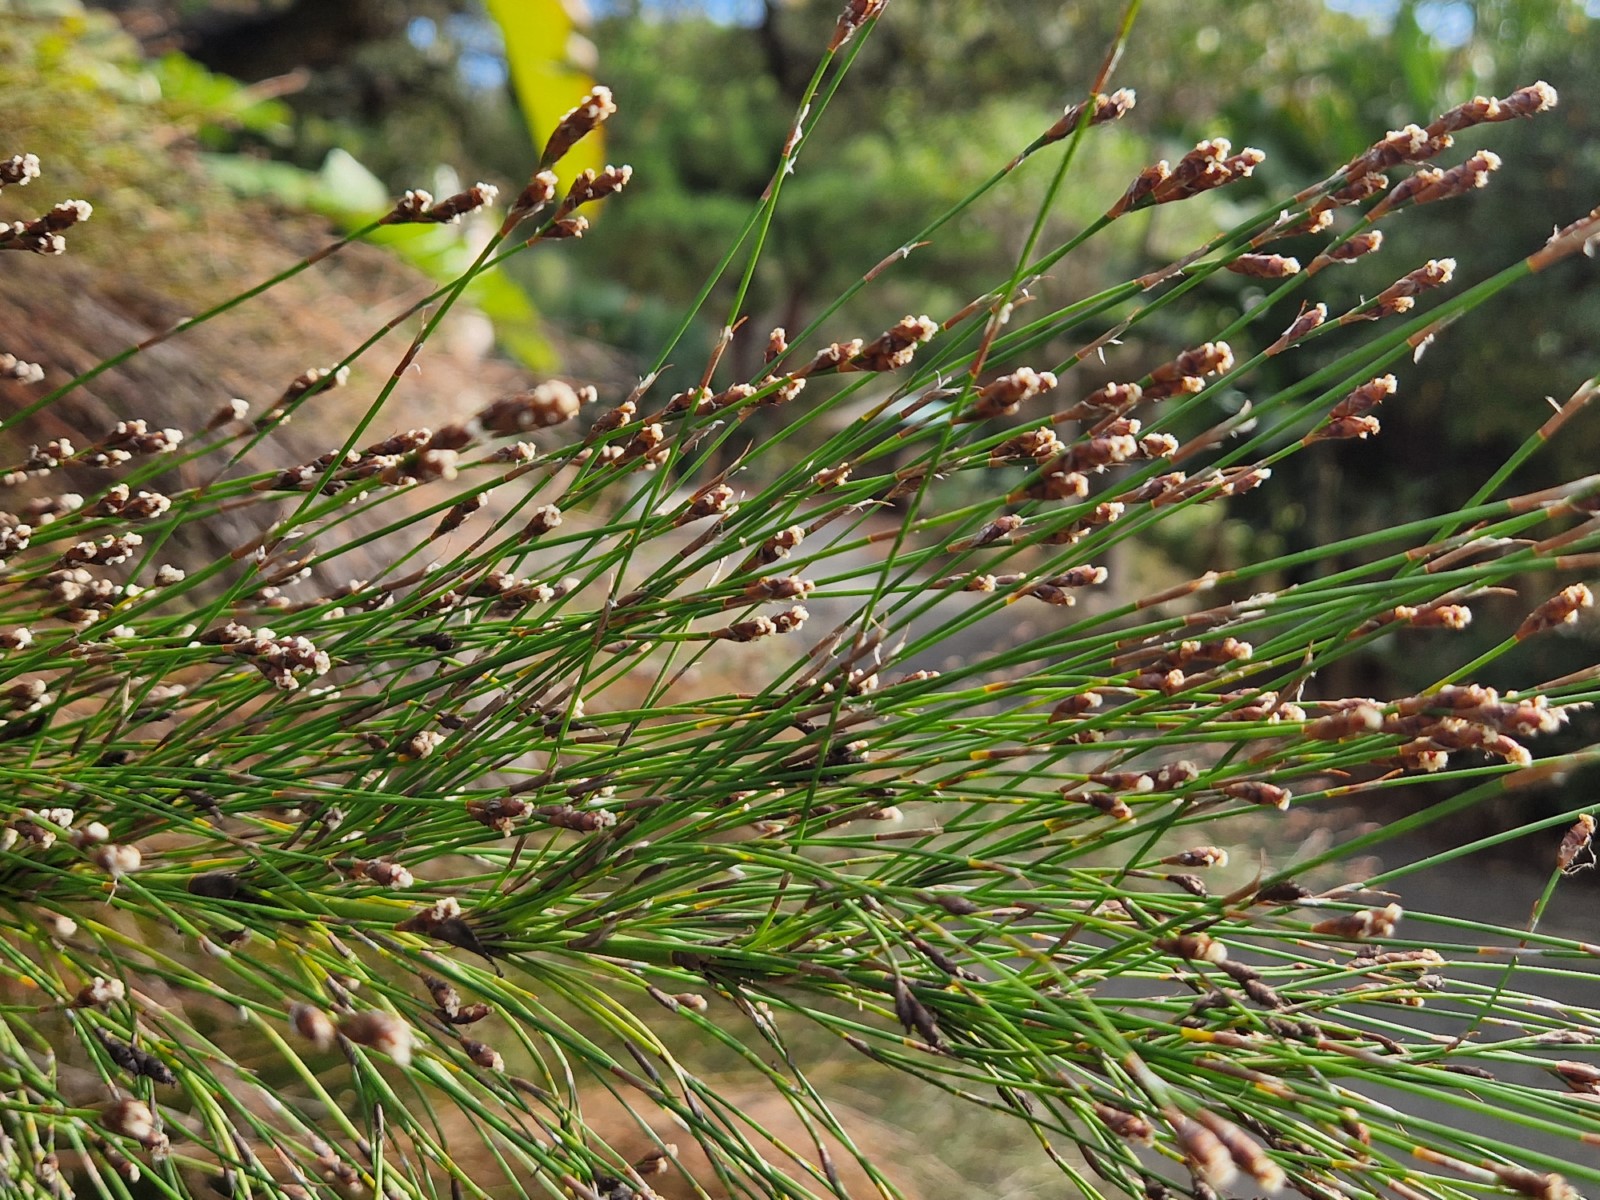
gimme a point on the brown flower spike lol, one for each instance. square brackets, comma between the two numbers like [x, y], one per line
[592, 111]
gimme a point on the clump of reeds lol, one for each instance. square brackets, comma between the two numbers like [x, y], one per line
[332, 885]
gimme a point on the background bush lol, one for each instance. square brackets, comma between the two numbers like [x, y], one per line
[391, 807]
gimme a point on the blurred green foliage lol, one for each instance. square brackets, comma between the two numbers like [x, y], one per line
[946, 93]
[707, 101]
[949, 91]
[1476, 395]
[401, 87]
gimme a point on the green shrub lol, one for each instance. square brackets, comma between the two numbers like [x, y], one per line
[657, 730]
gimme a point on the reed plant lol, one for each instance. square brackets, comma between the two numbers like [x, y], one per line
[634, 738]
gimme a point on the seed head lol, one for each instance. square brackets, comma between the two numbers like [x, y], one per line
[778, 546]
[43, 234]
[1039, 445]
[312, 1024]
[458, 514]
[451, 209]
[1576, 851]
[791, 619]
[856, 14]
[1366, 923]
[1346, 723]
[1126, 1125]
[1315, 220]
[12, 367]
[566, 227]
[1561, 609]
[592, 185]
[1364, 398]
[19, 170]
[832, 357]
[1111, 805]
[108, 551]
[1463, 116]
[412, 207]
[545, 518]
[1101, 109]
[99, 992]
[420, 746]
[738, 393]
[747, 631]
[831, 477]
[1203, 1152]
[1141, 189]
[1196, 170]
[1109, 400]
[709, 502]
[695, 400]
[1578, 1076]
[1246, 1154]
[1437, 616]
[785, 588]
[1000, 529]
[1209, 165]
[1528, 101]
[1057, 589]
[1460, 180]
[1176, 775]
[1356, 246]
[137, 437]
[384, 873]
[1399, 297]
[1195, 947]
[1094, 455]
[26, 695]
[551, 403]
[1264, 266]
[132, 1118]
[894, 348]
[232, 412]
[92, 833]
[1002, 397]
[1252, 791]
[1124, 781]
[382, 1031]
[1534, 1184]
[540, 191]
[1199, 856]
[579, 820]
[615, 419]
[1158, 445]
[499, 812]
[1076, 706]
[1396, 146]
[421, 466]
[445, 997]
[1581, 236]
[1309, 319]
[483, 1055]
[592, 111]
[1186, 373]
[116, 861]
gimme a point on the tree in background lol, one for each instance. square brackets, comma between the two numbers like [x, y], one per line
[392, 83]
[401, 86]
[398, 83]
[379, 852]
[1461, 411]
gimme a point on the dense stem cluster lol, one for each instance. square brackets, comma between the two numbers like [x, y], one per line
[572, 735]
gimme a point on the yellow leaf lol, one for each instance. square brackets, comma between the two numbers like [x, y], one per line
[550, 63]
